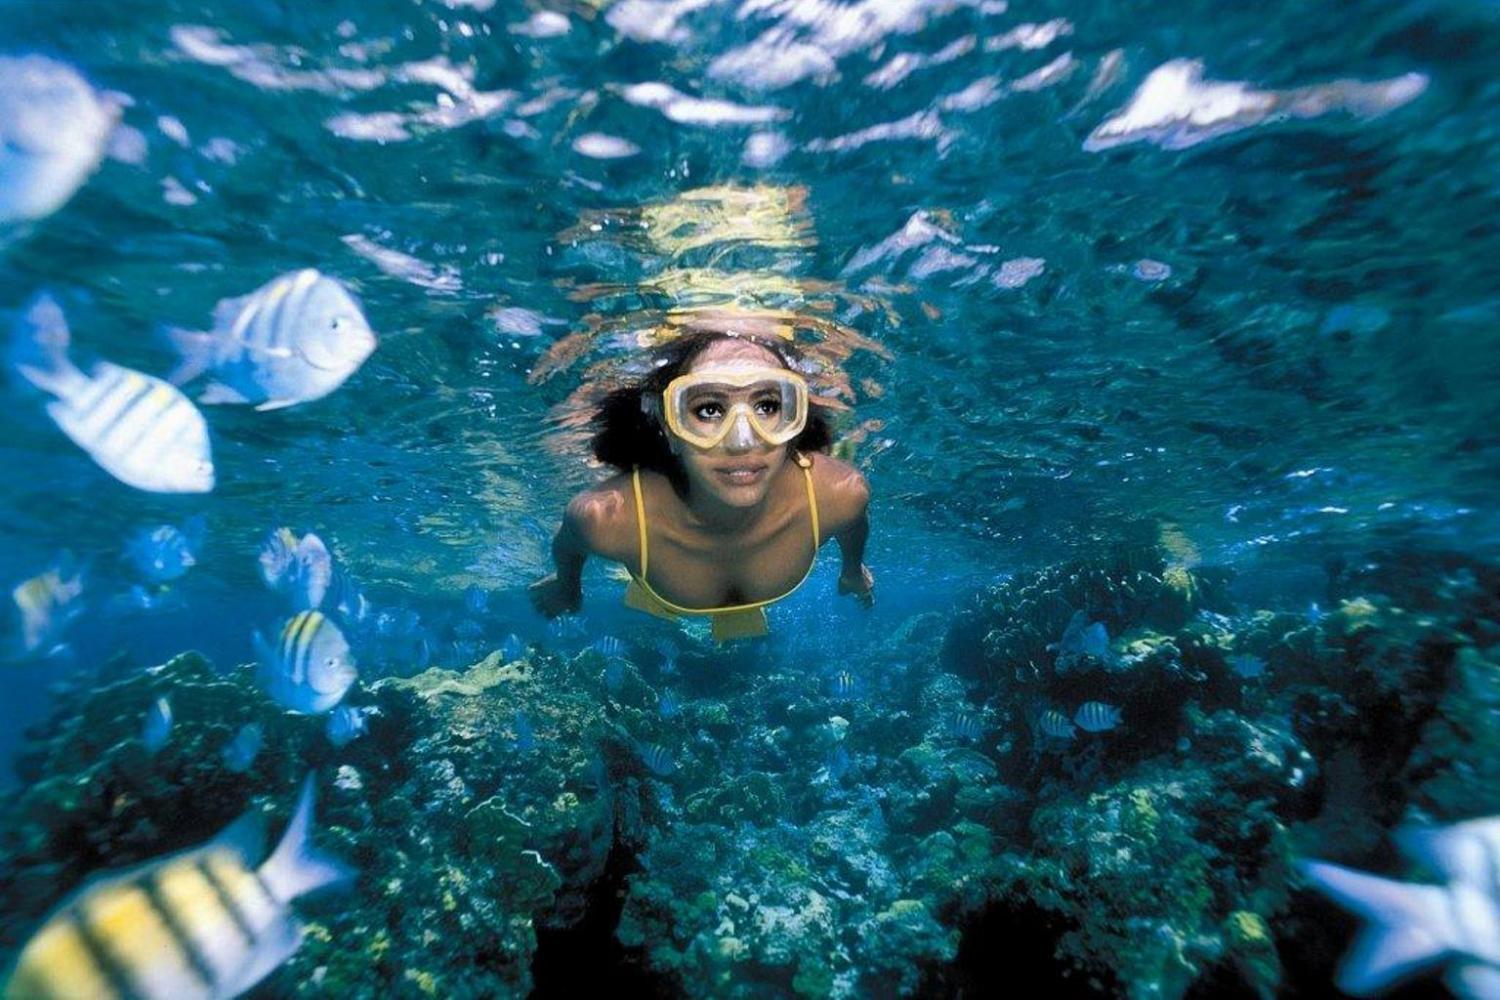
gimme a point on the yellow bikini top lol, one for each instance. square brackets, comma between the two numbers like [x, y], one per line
[738, 621]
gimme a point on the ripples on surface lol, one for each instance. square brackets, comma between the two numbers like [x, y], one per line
[1121, 266]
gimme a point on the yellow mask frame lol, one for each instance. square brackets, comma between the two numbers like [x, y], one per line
[791, 396]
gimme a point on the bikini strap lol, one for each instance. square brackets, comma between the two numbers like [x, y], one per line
[812, 502]
[640, 515]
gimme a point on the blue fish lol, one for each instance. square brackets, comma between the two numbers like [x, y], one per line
[1247, 666]
[844, 684]
[609, 646]
[657, 759]
[300, 568]
[512, 648]
[525, 738]
[1082, 644]
[476, 601]
[348, 723]
[240, 752]
[165, 553]
[837, 764]
[614, 675]
[668, 705]
[157, 728]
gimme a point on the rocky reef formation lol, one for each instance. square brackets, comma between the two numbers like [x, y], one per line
[882, 825]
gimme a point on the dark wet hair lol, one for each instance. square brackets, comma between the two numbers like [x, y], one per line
[628, 434]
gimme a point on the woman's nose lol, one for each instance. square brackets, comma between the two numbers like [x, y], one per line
[741, 437]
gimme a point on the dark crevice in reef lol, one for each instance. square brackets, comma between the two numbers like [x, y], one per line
[1007, 945]
[575, 960]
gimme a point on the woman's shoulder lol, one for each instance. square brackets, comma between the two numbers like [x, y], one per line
[604, 516]
[843, 493]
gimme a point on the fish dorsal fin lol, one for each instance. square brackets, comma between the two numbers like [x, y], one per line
[245, 837]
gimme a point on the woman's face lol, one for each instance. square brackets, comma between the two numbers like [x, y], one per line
[739, 470]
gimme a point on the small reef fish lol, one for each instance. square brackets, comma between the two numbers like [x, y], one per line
[965, 725]
[844, 684]
[138, 428]
[165, 553]
[202, 923]
[1411, 927]
[348, 723]
[609, 646]
[525, 738]
[657, 759]
[302, 569]
[1081, 642]
[47, 603]
[1096, 717]
[669, 652]
[240, 752]
[512, 648]
[614, 675]
[54, 130]
[1056, 725]
[157, 728]
[668, 705]
[293, 340]
[476, 601]
[310, 668]
[837, 764]
[1247, 666]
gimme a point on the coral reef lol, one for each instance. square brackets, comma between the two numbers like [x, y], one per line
[865, 825]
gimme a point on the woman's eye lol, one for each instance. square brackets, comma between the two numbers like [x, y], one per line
[708, 411]
[768, 407]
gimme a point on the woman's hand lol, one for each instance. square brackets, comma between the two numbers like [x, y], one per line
[861, 584]
[551, 597]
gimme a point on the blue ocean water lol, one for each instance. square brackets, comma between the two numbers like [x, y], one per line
[1231, 270]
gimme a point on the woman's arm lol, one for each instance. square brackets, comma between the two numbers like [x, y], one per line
[588, 528]
[849, 510]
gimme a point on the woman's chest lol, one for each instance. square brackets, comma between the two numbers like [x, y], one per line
[693, 571]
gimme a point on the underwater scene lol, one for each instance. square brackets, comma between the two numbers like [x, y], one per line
[749, 498]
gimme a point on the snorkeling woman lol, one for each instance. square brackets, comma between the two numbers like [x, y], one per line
[725, 491]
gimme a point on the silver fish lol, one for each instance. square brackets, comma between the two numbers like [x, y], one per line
[348, 723]
[157, 728]
[240, 752]
[165, 553]
[140, 429]
[1247, 666]
[1411, 927]
[47, 603]
[310, 668]
[844, 684]
[54, 130]
[966, 725]
[1096, 717]
[1056, 725]
[609, 646]
[204, 923]
[293, 340]
[302, 569]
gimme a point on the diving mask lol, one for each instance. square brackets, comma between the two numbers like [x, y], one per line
[704, 408]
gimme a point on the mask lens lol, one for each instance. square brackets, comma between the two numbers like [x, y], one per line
[705, 408]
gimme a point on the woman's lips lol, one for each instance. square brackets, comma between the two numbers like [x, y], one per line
[742, 475]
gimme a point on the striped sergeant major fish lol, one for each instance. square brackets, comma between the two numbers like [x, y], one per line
[205, 923]
[140, 429]
[292, 340]
[310, 667]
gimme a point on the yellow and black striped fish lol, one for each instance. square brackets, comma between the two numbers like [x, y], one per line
[310, 667]
[200, 924]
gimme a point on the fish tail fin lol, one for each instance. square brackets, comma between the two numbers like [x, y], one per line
[278, 943]
[195, 350]
[296, 866]
[39, 348]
